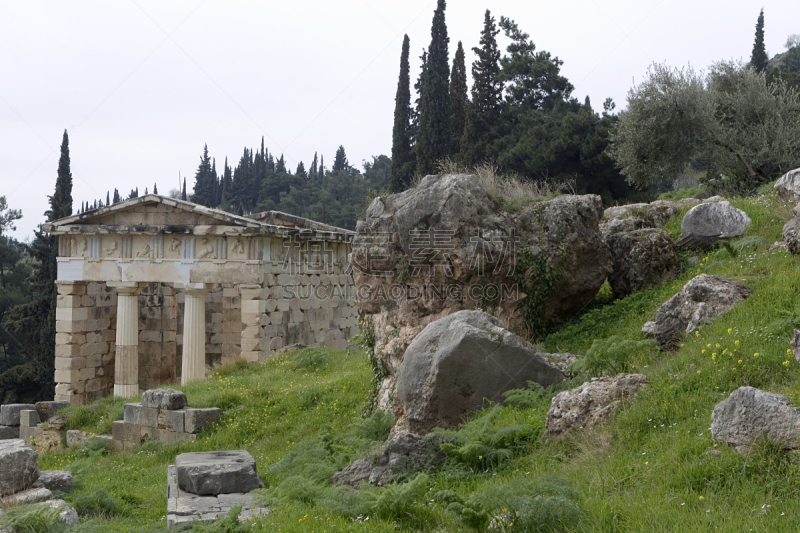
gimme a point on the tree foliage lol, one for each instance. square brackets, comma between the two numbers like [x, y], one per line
[759, 59]
[743, 127]
[433, 141]
[402, 134]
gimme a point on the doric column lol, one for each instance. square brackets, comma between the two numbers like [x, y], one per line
[126, 363]
[193, 362]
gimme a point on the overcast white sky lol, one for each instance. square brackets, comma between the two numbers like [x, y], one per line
[142, 85]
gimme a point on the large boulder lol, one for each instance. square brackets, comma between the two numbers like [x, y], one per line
[592, 403]
[446, 245]
[750, 414]
[641, 259]
[702, 299]
[457, 363]
[788, 186]
[711, 222]
[214, 473]
[60, 480]
[791, 235]
[18, 466]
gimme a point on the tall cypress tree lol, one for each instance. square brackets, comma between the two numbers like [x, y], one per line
[321, 166]
[203, 184]
[433, 141]
[183, 192]
[759, 59]
[402, 135]
[39, 315]
[312, 172]
[458, 99]
[487, 91]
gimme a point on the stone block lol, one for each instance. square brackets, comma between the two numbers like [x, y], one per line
[45, 439]
[94, 385]
[132, 413]
[9, 432]
[29, 496]
[29, 418]
[148, 417]
[70, 363]
[150, 336]
[10, 413]
[132, 433]
[196, 420]
[118, 430]
[147, 434]
[60, 480]
[70, 326]
[117, 446]
[172, 420]
[71, 288]
[86, 374]
[163, 399]
[219, 472]
[68, 350]
[76, 437]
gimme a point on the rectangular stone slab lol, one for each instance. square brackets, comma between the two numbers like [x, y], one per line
[9, 432]
[9, 413]
[198, 419]
[220, 472]
[29, 418]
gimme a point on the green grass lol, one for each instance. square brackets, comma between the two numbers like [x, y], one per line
[653, 468]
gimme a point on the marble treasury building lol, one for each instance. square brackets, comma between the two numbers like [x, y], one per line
[155, 289]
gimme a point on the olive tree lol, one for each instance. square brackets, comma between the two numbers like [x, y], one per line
[743, 127]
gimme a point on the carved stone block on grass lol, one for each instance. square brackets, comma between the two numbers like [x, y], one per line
[220, 472]
[198, 419]
[164, 399]
[9, 414]
[60, 480]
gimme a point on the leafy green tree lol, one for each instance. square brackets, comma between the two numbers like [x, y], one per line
[433, 138]
[458, 99]
[487, 91]
[759, 59]
[402, 133]
[745, 126]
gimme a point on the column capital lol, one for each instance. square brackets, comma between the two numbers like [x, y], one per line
[195, 289]
[131, 288]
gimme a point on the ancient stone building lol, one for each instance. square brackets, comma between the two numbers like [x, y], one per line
[154, 288]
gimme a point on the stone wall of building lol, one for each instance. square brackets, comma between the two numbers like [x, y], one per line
[85, 341]
[158, 324]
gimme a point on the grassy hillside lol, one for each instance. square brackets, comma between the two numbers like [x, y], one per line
[654, 468]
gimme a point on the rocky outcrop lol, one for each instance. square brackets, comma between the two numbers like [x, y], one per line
[750, 414]
[457, 363]
[791, 236]
[711, 222]
[590, 404]
[641, 259]
[446, 245]
[788, 186]
[405, 451]
[633, 217]
[18, 466]
[702, 299]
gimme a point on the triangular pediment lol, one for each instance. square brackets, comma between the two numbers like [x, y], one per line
[151, 210]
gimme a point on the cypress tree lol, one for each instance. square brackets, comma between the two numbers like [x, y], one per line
[203, 180]
[155, 188]
[301, 170]
[280, 165]
[340, 161]
[108, 198]
[458, 99]
[402, 135]
[321, 166]
[183, 192]
[312, 172]
[487, 91]
[759, 59]
[433, 141]
[116, 196]
[39, 315]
